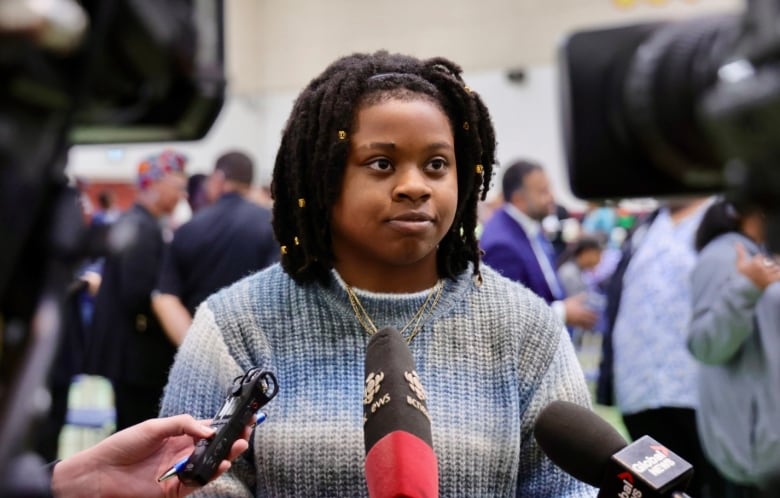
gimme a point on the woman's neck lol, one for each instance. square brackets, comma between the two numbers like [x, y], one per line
[403, 279]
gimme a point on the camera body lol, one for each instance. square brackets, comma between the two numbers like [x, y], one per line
[79, 71]
[679, 108]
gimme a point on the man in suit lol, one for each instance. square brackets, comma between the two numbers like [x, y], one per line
[129, 346]
[516, 246]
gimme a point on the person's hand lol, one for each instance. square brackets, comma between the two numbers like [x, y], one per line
[128, 463]
[578, 313]
[93, 280]
[759, 269]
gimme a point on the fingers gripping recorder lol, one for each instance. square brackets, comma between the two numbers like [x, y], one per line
[248, 394]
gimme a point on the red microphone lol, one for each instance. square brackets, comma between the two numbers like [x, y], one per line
[400, 461]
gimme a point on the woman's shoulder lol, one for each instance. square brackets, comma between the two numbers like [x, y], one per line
[510, 313]
[514, 302]
[494, 282]
[262, 288]
[724, 247]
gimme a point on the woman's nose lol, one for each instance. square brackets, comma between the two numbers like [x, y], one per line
[412, 184]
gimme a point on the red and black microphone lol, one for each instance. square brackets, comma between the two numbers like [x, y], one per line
[400, 461]
[589, 449]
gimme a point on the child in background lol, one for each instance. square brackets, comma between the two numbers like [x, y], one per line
[575, 274]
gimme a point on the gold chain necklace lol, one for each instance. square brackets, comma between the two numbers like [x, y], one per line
[368, 325]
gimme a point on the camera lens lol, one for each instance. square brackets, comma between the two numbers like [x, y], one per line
[667, 76]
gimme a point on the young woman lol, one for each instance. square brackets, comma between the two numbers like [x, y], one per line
[734, 333]
[376, 184]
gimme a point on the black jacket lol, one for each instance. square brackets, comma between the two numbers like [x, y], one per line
[127, 343]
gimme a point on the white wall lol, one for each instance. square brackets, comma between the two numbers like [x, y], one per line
[248, 123]
[282, 44]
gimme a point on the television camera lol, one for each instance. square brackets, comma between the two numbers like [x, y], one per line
[677, 108]
[91, 71]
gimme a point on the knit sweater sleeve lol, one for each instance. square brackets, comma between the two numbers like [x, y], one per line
[562, 380]
[724, 304]
[198, 384]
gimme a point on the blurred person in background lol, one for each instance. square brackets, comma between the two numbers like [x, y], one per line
[599, 218]
[197, 197]
[735, 334]
[576, 275]
[261, 195]
[654, 375]
[127, 344]
[582, 256]
[106, 212]
[68, 360]
[222, 243]
[516, 246]
[557, 227]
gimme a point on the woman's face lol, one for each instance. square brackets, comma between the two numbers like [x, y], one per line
[399, 192]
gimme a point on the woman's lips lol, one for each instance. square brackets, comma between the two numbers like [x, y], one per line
[411, 223]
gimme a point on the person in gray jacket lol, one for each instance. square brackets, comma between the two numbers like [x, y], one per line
[735, 334]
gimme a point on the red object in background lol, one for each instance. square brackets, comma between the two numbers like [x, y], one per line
[124, 193]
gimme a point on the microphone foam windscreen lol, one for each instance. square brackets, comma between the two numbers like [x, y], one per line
[577, 440]
[394, 398]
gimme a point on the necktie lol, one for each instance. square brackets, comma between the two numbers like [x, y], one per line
[549, 269]
[547, 247]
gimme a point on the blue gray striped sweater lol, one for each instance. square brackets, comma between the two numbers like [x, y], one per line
[490, 358]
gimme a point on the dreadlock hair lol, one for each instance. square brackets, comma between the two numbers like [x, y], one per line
[310, 163]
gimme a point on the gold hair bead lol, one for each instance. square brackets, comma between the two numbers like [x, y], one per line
[301, 202]
[284, 249]
[466, 125]
[342, 135]
[468, 89]
[480, 169]
[297, 242]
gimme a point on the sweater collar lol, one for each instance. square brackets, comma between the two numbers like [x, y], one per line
[395, 309]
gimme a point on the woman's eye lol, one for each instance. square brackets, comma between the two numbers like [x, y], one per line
[380, 164]
[437, 164]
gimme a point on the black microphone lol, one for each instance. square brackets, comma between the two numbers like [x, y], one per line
[591, 450]
[400, 461]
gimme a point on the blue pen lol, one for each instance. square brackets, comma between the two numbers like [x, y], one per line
[179, 466]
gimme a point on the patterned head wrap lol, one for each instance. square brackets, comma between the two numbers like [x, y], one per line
[155, 167]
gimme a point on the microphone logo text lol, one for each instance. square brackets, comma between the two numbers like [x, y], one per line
[415, 385]
[656, 464]
[373, 385]
[629, 491]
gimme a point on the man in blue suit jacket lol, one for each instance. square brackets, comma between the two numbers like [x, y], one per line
[516, 246]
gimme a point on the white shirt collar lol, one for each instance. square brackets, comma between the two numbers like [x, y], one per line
[529, 225]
